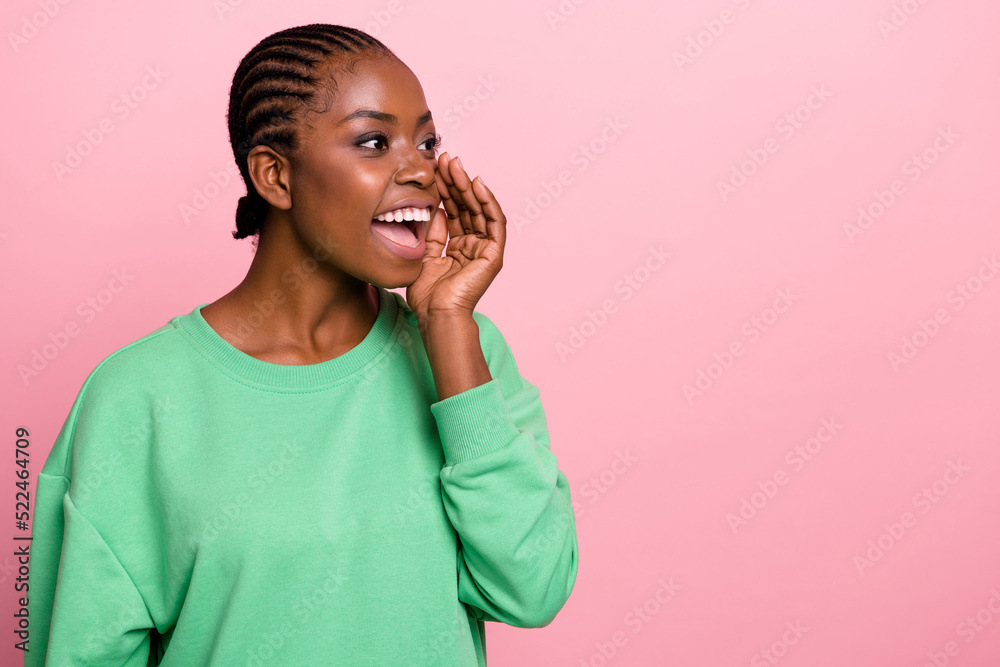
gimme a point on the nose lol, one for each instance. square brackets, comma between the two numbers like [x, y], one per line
[415, 167]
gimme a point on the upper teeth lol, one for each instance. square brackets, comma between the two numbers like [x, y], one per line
[408, 213]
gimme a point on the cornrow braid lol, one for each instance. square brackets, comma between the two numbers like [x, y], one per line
[274, 85]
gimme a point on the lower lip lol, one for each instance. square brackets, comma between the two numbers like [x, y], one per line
[406, 252]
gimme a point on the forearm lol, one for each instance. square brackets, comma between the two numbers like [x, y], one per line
[455, 354]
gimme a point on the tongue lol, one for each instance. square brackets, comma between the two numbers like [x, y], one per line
[396, 232]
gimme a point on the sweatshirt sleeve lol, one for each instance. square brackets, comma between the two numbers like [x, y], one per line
[505, 495]
[83, 605]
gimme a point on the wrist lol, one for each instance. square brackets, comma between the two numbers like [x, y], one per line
[454, 352]
[445, 320]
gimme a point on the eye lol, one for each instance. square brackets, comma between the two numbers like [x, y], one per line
[374, 137]
[432, 143]
[435, 143]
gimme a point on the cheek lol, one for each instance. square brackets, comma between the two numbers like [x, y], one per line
[344, 192]
[323, 185]
[369, 187]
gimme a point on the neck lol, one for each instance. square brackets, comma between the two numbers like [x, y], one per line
[307, 309]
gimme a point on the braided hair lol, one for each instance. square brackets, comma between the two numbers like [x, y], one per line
[273, 87]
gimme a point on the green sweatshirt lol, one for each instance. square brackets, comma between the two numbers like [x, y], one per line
[203, 507]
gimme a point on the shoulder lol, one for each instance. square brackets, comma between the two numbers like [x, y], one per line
[131, 385]
[113, 398]
[133, 367]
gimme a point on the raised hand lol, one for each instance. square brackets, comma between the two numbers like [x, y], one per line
[471, 230]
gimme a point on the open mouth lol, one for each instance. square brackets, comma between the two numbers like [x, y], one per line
[403, 226]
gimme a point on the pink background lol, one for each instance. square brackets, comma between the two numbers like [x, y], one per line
[668, 517]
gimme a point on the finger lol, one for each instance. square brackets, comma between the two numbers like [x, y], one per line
[496, 221]
[443, 161]
[447, 197]
[470, 210]
[461, 219]
[436, 236]
[446, 188]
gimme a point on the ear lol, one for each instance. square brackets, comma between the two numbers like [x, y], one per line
[270, 174]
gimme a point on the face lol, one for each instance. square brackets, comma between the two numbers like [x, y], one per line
[373, 151]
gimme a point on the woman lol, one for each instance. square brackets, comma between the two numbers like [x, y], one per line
[312, 470]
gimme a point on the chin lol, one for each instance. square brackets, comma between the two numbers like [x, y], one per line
[400, 279]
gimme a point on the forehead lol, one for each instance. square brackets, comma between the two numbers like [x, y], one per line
[382, 84]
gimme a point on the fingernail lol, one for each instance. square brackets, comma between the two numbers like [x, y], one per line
[481, 180]
[460, 165]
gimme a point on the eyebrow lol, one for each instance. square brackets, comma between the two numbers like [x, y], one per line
[382, 116]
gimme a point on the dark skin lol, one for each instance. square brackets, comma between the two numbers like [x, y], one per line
[322, 201]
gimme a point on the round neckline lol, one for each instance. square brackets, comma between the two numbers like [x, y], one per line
[295, 377]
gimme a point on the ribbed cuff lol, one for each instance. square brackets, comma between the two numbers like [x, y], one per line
[473, 422]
